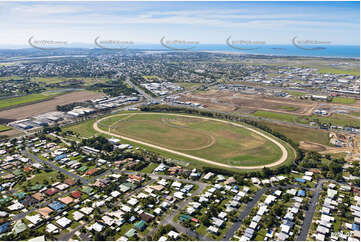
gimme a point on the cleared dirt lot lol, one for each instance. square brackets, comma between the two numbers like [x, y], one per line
[49, 105]
[231, 101]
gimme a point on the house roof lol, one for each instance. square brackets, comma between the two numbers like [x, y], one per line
[56, 205]
[38, 196]
[51, 191]
[65, 200]
[45, 211]
[130, 233]
[70, 182]
[146, 217]
[140, 225]
[91, 172]
[76, 194]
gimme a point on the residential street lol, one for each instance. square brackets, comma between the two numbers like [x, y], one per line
[65, 172]
[310, 212]
[246, 211]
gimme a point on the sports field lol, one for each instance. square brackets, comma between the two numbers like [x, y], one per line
[218, 141]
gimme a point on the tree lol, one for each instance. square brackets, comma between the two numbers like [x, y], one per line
[205, 219]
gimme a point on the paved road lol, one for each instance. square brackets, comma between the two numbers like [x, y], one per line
[67, 236]
[246, 211]
[168, 219]
[45, 203]
[141, 91]
[276, 163]
[76, 177]
[310, 212]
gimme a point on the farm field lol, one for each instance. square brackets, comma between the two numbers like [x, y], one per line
[55, 80]
[355, 72]
[14, 101]
[198, 137]
[4, 128]
[44, 106]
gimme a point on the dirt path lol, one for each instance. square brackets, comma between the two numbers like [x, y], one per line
[280, 161]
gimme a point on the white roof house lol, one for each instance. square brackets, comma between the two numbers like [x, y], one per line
[96, 227]
[87, 210]
[132, 201]
[270, 199]
[179, 195]
[255, 180]
[77, 215]
[176, 184]
[322, 230]
[126, 208]
[115, 194]
[309, 173]
[172, 234]
[51, 228]
[16, 206]
[208, 176]
[307, 178]
[35, 219]
[212, 229]
[285, 228]
[63, 222]
[222, 215]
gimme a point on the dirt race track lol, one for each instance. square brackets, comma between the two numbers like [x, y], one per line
[23, 112]
[280, 161]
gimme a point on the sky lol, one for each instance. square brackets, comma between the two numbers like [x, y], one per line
[204, 22]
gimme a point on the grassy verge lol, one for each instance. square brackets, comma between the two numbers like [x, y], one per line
[343, 100]
[278, 116]
[289, 108]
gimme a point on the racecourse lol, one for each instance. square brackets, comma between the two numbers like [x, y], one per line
[281, 160]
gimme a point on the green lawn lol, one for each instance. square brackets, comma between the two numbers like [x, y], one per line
[357, 114]
[334, 119]
[40, 178]
[288, 108]
[354, 72]
[54, 80]
[278, 116]
[4, 128]
[188, 85]
[5, 103]
[150, 168]
[202, 138]
[84, 129]
[343, 100]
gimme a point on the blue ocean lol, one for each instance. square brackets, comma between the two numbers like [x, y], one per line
[343, 51]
